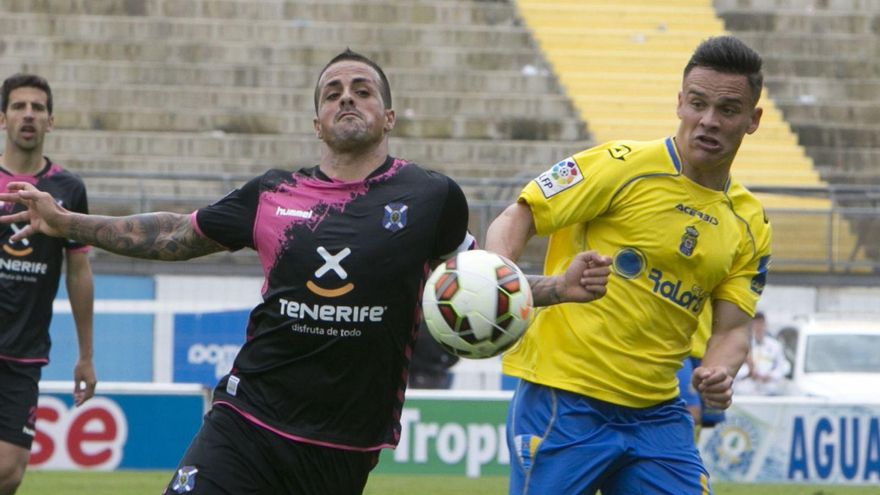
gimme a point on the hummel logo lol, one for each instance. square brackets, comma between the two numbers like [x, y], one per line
[290, 212]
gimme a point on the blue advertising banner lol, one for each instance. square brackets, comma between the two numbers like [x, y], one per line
[125, 426]
[205, 345]
[795, 439]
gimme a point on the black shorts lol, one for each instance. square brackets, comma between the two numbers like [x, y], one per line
[19, 391]
[229, 455]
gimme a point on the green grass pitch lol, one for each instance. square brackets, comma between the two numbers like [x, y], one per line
[152, 482]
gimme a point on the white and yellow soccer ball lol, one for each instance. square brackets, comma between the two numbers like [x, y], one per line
[477, 304]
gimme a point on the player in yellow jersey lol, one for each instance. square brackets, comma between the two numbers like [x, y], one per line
[597, 404]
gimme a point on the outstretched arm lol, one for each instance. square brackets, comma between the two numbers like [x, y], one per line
[585, 278]
[163, 236]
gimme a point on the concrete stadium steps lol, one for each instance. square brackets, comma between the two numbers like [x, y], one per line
[259, 76]
[376, 11]
[621, 64]
[438, 58]
[850, 112]
[804, 5]
[276, 111]
[234, 152]
[269, 31]
[828, 84]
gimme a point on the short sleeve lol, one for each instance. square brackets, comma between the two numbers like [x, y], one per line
[230, 221]
[452, 233]
[79, 203]
[748, 276]
[575, 190]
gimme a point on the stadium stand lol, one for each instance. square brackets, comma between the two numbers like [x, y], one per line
[166, 104]
[823, 67]
[621, 64]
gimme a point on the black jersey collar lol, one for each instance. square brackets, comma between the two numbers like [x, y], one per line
[381, 169]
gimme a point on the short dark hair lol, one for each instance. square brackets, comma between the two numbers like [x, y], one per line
[348, 54]
[760, 316]
[729, 55]
[22, 80]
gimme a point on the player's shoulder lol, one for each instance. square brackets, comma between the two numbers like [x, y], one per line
[633, 157]
[745, 203]
[421, 175]
[55, 172]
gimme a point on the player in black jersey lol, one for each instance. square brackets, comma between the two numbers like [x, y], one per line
[317, 389]
[30, 269]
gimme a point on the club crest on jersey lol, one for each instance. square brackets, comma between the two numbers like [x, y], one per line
[560, 177]
[185, 481]
[688, 241]
[395, 216]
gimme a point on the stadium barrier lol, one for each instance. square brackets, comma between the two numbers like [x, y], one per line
[463, 433]
[125, 426]
[763, 440]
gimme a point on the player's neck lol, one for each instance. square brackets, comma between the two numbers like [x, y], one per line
[352, 166]
[22, 162]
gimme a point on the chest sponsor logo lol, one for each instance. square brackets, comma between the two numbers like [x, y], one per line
[332, 262]
[20, 248]
[688, 241]
[395, 216]
[690, 210]
[671, 289]
[560, 177]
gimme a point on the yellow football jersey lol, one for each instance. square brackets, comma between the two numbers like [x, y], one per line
[675, 245]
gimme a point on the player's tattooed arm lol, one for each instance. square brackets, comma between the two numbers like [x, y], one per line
[161, 236]
[544, 291]
[585, 280]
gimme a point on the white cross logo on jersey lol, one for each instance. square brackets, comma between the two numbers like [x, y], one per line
[331, 262]
[8, 246]
[16, 229]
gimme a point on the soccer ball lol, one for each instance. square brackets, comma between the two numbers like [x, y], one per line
[477, 304]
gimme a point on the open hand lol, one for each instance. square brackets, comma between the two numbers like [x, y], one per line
[42, 214]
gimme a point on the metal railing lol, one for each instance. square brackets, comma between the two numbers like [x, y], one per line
[843, 238]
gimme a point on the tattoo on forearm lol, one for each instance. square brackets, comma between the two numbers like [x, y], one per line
[163, 236]
[544, 291]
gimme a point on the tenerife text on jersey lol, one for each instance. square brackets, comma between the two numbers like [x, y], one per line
[19, 266]
[332, 313]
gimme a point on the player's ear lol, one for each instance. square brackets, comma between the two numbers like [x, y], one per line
[756, 120]
[317, 125]
[390, 120]
[51, 123]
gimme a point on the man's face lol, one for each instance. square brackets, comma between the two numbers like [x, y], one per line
[351, 113]
[27, 118]
[716, 111]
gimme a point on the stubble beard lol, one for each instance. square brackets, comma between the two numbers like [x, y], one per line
[351, 139]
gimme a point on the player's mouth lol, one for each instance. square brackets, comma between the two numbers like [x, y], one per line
[348, 114]
[28, 131]
[707, 143]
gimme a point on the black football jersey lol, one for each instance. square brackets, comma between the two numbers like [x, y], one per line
[327, 351]
[30, 268]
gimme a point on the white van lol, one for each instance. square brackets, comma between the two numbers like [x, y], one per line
[838, 357]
